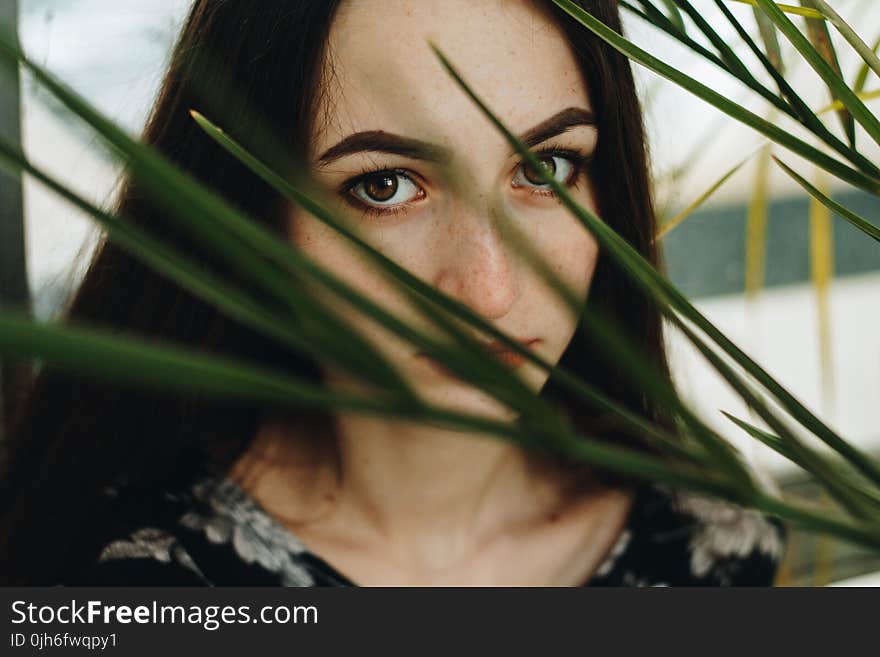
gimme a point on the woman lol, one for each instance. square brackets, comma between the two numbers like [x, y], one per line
[148, 489]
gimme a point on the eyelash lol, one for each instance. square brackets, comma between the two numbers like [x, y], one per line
[579, 162]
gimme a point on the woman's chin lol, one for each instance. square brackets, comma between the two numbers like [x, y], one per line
[456, 395]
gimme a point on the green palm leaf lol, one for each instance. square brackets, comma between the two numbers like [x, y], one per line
[709, 465]
[674, 221]
[771, 42]
[644, 378]
[789, 9]
[820, 37]
[856, 220]
[196, 280]
[862, 76]
[868, 54]
[668, 297]
[815, 59]
[799, 109]
[774, 132]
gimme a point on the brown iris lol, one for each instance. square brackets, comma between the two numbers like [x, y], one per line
[533, 176]
[381, 186]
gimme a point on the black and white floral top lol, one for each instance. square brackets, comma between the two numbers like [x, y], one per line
[210, 532]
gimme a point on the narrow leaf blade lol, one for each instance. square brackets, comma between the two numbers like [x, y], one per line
[856, 220]
[820, 37]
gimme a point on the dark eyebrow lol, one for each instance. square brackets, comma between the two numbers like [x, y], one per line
[557, 124]
[379, 141]
[385, 142]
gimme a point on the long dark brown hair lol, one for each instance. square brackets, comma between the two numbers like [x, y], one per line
[76, 436]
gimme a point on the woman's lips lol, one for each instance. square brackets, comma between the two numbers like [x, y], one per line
[504, 355]
[509, 358]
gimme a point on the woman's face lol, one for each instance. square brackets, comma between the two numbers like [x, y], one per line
[392, 127]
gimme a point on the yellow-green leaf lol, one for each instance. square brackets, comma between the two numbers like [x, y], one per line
[868, 55]
[822, 271]
[756, 226]
[862, 76]
[863, 95]
[702, 198]
[788, 9]
[771, 42]
[820, 37]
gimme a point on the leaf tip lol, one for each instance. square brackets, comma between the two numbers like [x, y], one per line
[199, 118]
[439, 53]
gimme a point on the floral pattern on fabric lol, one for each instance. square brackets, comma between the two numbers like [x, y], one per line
[255, 536]
[208, 527]
[149, 543]
[726, 532]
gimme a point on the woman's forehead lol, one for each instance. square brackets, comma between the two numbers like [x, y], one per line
[380, 73]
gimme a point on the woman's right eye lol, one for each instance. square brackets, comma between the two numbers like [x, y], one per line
[382, 190]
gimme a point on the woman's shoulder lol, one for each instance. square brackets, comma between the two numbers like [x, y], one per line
[142, 543]
[200, 530]
[680, 538]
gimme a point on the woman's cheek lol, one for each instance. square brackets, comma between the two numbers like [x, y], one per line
[573, 251]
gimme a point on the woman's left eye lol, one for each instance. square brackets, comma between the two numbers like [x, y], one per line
[563, 169]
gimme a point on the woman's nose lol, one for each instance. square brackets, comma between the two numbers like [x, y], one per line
[476, 265]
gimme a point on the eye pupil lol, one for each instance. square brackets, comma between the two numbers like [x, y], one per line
[381, 187]
[533, 176]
